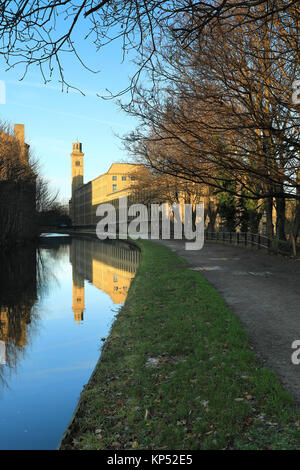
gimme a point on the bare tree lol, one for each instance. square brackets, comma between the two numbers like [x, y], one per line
[40, 33]
[221, 111]
[46, 198]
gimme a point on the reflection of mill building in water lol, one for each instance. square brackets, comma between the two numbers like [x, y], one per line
[110, 266]
[12, 328]
[17, 297]
[13, 324]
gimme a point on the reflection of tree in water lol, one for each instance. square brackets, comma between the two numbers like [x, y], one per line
[25, 275]
[47, 258]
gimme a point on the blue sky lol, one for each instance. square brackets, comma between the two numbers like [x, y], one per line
[53, 120]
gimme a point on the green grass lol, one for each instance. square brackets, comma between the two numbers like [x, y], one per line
[207, 390]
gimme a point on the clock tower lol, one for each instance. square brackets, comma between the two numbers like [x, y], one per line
[77, 173]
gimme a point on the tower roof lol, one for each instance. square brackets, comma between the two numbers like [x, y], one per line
[77, 148]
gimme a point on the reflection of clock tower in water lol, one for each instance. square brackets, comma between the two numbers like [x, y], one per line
[77, 171]
[78, 297]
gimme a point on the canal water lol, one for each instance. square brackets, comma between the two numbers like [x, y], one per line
[57, 302]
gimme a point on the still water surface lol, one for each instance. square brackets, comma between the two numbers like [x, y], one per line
[56, 303]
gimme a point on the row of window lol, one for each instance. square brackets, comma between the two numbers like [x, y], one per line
[114, 186]
[114, 178]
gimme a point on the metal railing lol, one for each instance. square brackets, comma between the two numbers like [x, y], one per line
[240, 238]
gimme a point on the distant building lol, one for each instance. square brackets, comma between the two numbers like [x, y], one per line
[14, 153]
[20, 137]
[119, 181]
[17, 189]
[109, 187]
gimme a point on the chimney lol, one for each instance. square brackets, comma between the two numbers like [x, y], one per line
[20, 133]
[20, 136]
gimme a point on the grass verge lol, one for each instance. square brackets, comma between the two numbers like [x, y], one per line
[177, 372]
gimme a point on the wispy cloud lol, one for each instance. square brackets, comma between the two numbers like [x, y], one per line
[72, 115]
[46, 86]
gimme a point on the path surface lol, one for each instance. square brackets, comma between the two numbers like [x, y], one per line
[264, 292]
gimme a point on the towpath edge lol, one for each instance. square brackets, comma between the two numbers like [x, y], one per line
[177, 372]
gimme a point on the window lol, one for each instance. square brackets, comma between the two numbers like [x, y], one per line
[114, 187]
[77, 163]
[114, 178]
[115, 278]
[123, 178]
[133, 178]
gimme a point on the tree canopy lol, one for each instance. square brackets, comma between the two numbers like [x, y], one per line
[34, 32]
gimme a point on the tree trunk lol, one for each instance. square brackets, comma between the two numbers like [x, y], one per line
[280, 218]
[269, 214]
[295, 229]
